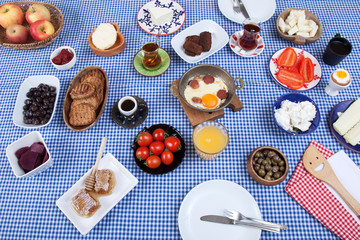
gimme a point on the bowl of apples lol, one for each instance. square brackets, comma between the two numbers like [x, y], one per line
[29, 24]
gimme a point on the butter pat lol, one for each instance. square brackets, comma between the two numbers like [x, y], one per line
[161, 16]
[104, 36]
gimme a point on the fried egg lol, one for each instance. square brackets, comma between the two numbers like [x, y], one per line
[205, 95]
[341, 76]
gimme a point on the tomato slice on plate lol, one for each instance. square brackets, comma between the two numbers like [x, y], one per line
[287, 58]
[291, 79]
[307, 70]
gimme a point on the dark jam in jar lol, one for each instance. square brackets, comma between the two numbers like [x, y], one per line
[249, 41]
[64, 57]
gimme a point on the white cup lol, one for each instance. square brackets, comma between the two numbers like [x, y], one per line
[333, 88]
[127, 112]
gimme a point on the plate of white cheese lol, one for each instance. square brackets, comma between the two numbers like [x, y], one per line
[166, 16]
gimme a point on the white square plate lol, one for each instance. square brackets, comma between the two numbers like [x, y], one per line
[219, 38]
[30, 82]
[125, 181]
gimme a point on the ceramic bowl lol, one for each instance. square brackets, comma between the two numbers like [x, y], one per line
[66, 66]
[117, 48]
[27, 140]
[297, 97]
[259, 179]
[295, 38]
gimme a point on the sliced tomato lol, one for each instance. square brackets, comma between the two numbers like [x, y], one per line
[287, 58]
[296, 67]
[291, 79]
[307, 70]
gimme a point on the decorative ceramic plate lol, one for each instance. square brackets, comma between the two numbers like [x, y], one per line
[146, 24]
[219, 38]
[139, 67]
[334, 115]
[125, 182]
[274, 69]
[235, 46]
[212, 198]
[262, 13]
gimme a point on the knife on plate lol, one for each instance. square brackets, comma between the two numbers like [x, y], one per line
[243, 9]
[225, 220]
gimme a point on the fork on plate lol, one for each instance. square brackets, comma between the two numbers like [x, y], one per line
[236, 6]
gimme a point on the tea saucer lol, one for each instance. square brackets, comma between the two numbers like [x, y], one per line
[139, 116]
[235, 46]
[139, 67]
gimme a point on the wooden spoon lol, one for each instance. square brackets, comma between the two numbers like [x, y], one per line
[90, 181]
[312, 159]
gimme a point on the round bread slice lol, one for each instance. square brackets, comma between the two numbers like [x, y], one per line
[104, 36]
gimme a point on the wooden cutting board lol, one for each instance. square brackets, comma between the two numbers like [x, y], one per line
[196, 117]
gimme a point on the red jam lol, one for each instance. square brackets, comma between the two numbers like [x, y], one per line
[64, 57]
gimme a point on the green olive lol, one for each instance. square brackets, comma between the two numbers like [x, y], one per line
[255, 159]
[281, 163]
[268, 167]
[270, 173]
[267, 177]
[261, 172]
[260, 160]
[268, 159]
[262, 155]
[271, 154]
[257, 167]
[277, 175]
[265, 152]
[282, 168]
[276, 159]
[257, 154]
[274, 163]
[262, 167]
[264, 162]
[275, 169]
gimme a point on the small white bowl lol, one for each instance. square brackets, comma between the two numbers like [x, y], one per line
[30, 82]
[65, 66]
[26, 141]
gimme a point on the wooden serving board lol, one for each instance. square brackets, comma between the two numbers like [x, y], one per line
[196, 117]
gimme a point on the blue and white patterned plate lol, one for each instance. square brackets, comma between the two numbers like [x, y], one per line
[144, 17]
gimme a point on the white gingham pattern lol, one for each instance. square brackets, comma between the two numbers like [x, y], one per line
[316, 198]
[149, 211]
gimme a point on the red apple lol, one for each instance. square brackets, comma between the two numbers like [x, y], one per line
[37, 12]
[10, 14]
[17, 33]
[41, 30]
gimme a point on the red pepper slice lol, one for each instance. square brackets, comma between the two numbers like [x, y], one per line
[307, 70]
[291, 79]
[287, 58]
[296, 67]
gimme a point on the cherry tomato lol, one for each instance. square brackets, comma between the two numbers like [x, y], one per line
[167, 157]
[307, 70]
[153, 161]
[142, 153]
[287, 58]
[159, 134]
[144, 139]
[293, 80]
[173, 144]
[157, 147]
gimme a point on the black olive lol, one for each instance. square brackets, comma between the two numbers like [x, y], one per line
[39, 99]
[36, 121]
[37, 93]
[26, 107]
[28, 101]
[52, 89]
[34, 108]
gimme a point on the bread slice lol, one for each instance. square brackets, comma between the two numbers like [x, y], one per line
[82, 90]
[81, 114]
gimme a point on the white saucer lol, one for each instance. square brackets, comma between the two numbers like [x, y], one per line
[235, 46]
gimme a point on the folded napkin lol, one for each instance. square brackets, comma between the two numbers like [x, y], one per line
[322, 202]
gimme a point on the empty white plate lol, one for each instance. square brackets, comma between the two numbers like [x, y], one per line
[125, 181]
[219, 39]
[211, 198]
[30, 82]
[259, 9]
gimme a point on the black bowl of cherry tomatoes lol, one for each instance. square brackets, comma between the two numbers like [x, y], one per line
[158, 149]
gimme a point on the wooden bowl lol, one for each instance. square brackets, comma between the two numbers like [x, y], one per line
[68, 100]
[259, 179]
[117, 48]
[295, 38]
[57, 19]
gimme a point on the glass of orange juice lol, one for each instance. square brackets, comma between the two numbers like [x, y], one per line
[210, 139]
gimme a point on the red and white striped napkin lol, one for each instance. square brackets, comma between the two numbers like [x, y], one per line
[317, 199]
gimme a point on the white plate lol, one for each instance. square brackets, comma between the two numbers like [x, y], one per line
[259, 9]
[211, 198]
[219, 39]
[235, 46]
[274, 68]
[125, 181]
[144, 17]
[30, 82]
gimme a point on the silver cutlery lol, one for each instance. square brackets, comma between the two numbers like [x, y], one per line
[226, 220]
[237, 216]
[243, 9]
[236, 6]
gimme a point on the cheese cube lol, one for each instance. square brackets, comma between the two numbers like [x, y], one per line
[282, 24]
[303, 34]
[305, 28]
[311, 23]
[301, 20]
[293, 22]
[314, 31]
[293, 30]
[160, 16]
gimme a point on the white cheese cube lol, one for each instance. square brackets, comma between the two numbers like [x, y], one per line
[299, 13]
[160, 16]
[303, 34]
[314, 31]
[311, 23]
[293, 30]
[305, 28]
[282, 25]
[290, 17]
[293, 22]
[301, 20]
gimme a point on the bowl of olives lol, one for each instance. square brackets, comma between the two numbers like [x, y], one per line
[267, 165]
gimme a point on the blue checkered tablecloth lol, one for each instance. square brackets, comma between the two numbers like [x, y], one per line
[150, 210]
